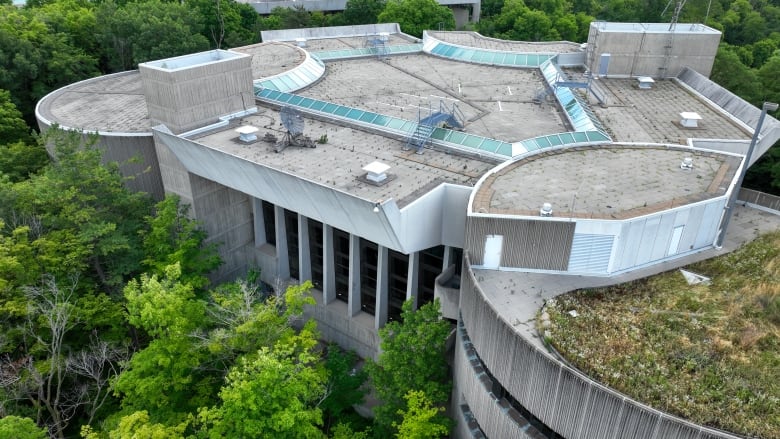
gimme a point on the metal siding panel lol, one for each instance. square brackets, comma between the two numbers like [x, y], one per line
[663, 236]
[649, 235]
[709, 223]
[590, 253]
[632, 241]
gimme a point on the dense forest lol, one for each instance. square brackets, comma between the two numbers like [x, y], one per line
[109, 327]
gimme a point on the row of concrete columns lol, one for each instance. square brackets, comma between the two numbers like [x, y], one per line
[328, 265]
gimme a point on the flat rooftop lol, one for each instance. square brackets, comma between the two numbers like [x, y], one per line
[339, 163]
[635, 115]
[269, 59]
[111, 103]
[612, 182]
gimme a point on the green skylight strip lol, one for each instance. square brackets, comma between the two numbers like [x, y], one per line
[485, 56]
[471, 141]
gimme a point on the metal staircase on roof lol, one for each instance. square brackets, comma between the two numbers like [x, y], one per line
[452, 117]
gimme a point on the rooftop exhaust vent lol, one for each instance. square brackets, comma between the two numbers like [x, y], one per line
[687, 164]
[375, 171]
[246, 133]
[689, 119]
[546, 210]
[645, 82]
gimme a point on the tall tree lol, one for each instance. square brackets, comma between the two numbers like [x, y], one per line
[415, 16]
[412, 358]
[421, 419]
[274, 393]
[362, 11]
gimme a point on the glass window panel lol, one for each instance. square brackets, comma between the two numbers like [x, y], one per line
[543, 142]
[554, 140]
[566, 138]
[457, 137]
[530, 145]
[367, 116]
[396, 123]
[521, 59]
[330, 107]
[473, 141]
[439, 133]
[354, 113]
[490, 145]
[505, 149]
[382, 120]
[450, 50]
[597, 136]
[289, 83]
[295, 100]
[341, 110]
[318, 105]
[580, 137]
[306, 102]
[409, 126]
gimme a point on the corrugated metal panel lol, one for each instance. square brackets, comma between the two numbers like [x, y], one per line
[539, 244]
[590, 253]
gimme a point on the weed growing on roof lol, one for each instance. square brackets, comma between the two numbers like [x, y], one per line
[708, 353]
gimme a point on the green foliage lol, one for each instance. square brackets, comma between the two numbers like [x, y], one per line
[227, 22]
[421, 419]
[344, 386]
[708, 353]
[412, 358]
[174, 238]
[415, 16]
[12, 126]
[362, 11]
[147, 30]
[343, 431]
[138, 426]
[254, 404]
[21, 428]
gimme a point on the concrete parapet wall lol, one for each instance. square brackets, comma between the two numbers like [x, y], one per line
[326, 32]
[736, 107]
[564, 399]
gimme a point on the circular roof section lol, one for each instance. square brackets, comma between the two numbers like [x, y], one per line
[110, 103]
[606, 182]
[272, 58]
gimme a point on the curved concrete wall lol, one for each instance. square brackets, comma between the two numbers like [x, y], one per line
[568, 402]
[135, 154]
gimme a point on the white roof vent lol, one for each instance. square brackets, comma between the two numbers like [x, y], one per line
[546, 210]
[689, 119]
[246, 133]
[376, 172]
[300, 42]
[645, 82]
[687, 164]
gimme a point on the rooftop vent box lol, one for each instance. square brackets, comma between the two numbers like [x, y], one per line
[645, 82]
[376, 172]
[246, 133]
[687, 164]
[689, 119]
[300, 42]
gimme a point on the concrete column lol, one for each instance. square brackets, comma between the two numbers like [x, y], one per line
[257, 212]
[382, 293]
[413, 278]
[353, 304]
[304, 253]
[282, 263]
[447, 258]
[328, 266]
[476, 11]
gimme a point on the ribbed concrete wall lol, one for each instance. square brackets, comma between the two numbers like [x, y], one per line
[189, 98]
[136, 157]
[655, 54]
[538, 244]
[737, 107]
[567, 401]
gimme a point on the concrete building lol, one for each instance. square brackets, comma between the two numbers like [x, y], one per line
[465, 11]
[491, 174]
